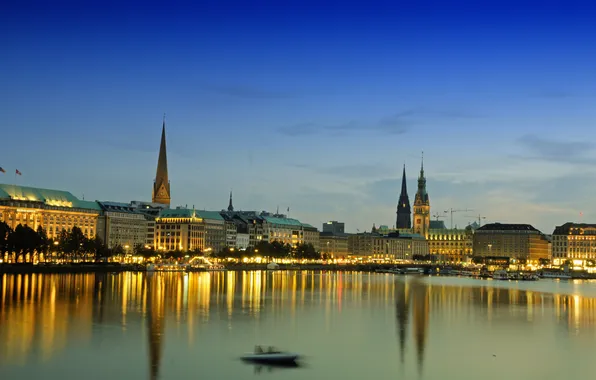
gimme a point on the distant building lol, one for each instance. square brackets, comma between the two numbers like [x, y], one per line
[514, 241]
[575, 242]
[242, 241]
[179, 229]
[334, 227]
[54, 210]
[450, 245]
[334, 245]
[395, 246]
[215, 230]
[120, 224]
[311, 235]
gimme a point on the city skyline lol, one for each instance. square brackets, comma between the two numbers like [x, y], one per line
[319, 119]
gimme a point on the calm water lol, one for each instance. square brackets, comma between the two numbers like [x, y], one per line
[349, 325]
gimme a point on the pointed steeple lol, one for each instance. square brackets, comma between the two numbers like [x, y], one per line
[161, 186]
[404, 220]
[230, 206]
[422, 183]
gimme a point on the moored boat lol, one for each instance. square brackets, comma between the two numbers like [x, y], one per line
[271, 356]
[500, 275]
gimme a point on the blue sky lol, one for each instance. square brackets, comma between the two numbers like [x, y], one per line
[309, 105]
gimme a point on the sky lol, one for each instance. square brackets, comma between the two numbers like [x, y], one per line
[311, 106]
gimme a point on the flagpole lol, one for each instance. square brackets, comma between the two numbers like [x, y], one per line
[14, 187]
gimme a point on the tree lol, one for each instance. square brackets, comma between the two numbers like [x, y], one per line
[141, 250]
[305, 251]
[98, 248]
[23, 241]
[76, 242]
[5, 232]
[43, 242]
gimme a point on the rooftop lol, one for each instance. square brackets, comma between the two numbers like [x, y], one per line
[56, 198]
[506, 227]
[179, 213]
[282, 221]
[573, 228]
[214, 215]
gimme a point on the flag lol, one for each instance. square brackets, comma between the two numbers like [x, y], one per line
[18, 172]
[2, 170]
[288, 209]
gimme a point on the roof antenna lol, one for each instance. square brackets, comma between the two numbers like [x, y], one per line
[83, 196]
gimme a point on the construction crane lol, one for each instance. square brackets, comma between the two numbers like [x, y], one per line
[437, 216]
[480, 217]
[451, 211]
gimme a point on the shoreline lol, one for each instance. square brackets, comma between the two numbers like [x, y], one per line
[118, 268]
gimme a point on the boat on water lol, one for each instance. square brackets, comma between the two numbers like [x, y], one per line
[206, 268]
[166, 267]
[559, 275]
[270, 356]
[500, 275]
[272, 266]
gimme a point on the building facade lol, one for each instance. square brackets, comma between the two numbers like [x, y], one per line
[215, 230]
[334, 227]
[576, 243]
[450, 245]
[311, 236]
[514, 241]
[333, 245]
[121, 225]
[395, 246]
[179, 230]
[53, 210]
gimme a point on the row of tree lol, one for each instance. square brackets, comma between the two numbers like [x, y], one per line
[26, 244]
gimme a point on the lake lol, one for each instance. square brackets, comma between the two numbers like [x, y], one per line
[348, 325]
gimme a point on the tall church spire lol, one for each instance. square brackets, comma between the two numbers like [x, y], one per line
[404, 220]
[230, 206]
[161, 186]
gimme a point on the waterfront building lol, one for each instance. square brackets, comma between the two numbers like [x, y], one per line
[395, 246]
[215, 230]
[311, 235]
[120, 224]
[161, 186]
[421, 206]
[334, 245]
[247, 222]
[404, 213]
[511, 241]
[242, 241]
[179, 229]
[231, 233]
[334, 226]
[53, 210]
[278, 227]
[449, 245]
[151, 212]
[574, 243]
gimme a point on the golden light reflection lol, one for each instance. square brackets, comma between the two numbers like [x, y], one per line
[42, 315]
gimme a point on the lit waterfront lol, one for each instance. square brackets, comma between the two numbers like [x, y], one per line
[349, 325]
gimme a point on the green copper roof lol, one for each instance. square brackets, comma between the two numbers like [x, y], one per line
[178, 213]
[215, 215]
[282, 221]
[50, 197]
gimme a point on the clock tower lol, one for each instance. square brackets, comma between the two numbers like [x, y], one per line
[421, 206]
[161, 185]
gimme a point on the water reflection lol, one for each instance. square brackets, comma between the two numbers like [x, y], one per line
[42, 316]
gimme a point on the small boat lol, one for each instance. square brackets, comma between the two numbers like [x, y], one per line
[272, 266]
[500, 275]
[554, 274]
[271, 356]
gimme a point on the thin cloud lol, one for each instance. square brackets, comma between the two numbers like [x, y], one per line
[250, 92]
[394, 124]
[575, 152]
